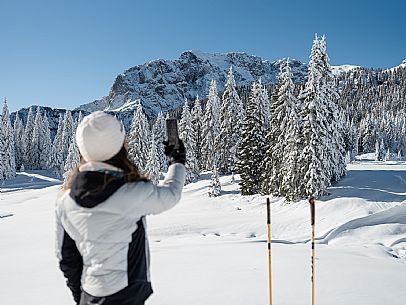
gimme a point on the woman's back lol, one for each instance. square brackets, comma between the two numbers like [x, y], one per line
[101, 230]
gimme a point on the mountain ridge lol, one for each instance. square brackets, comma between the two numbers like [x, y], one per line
[159, 87]
[162, 84]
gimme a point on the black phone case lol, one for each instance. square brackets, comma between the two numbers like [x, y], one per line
[172, 132]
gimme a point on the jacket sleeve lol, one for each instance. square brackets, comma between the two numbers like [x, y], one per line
[70, 260]
[159, 198]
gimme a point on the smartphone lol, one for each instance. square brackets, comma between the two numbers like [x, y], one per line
[172, 132]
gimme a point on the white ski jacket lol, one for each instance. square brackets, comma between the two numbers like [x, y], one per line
[100, 229]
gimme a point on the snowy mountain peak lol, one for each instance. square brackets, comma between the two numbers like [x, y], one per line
[162, 85]
[337, 70]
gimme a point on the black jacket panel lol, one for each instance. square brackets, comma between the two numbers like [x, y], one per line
[71, 266]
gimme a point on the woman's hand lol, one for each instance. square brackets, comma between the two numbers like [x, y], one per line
[175, 155]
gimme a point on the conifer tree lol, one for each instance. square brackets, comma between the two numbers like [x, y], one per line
[387, 155]
[73, 158]
[152, 167]
[265, 104]
[186, 133]
[9, 149]
[138, 139]
[67, 134]
[45, 142]
[336, 149]
[251, 151]
[79, 119]
[36, 145]
[215, 186]
[285, 128]
[197, 122]
[283, 104]
[211, 128]
[159, 132]
[313, 160]
[18, 140]
[27, 139]
[55, 161]
[378, 157]
[231, 118]
[2, 151]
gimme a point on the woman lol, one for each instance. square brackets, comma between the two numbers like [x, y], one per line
[101, 241]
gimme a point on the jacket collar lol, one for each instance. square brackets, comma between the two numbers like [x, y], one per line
[95, 183]
[97, 166]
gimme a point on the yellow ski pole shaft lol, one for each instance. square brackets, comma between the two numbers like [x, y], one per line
[312, 217]
[268, 212]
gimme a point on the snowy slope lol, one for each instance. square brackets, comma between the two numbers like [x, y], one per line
[213, 250]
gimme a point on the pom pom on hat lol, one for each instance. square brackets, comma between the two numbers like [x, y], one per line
[99, 136]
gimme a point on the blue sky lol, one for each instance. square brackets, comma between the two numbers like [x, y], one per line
[67, 53]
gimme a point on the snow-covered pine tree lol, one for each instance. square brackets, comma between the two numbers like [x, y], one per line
[314, 166]
[266, 104]
[197, 122]
[287, 147]
[18, 140]
[159, 132]
[27, 139]
[354, 140]
[387, 155]
[402, 140]
[138, 139]
[152, 167]
[211, 128]
[36, 141]
[67, 134]
[282, 103]
[251, 150]
[382, 149]
[215, 186]
[73, 158]
[55, 161]
[45, 142]
[335, 136]
[186, 133]
[2, 151]
[231, 118]
[9, 147]
[79, 119]
[378, 156]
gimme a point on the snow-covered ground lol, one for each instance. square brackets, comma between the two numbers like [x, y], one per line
[213, 250]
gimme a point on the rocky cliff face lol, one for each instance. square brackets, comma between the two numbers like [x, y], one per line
[162, 85]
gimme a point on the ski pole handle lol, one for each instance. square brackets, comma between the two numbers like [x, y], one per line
[268, 211]
[312, 210]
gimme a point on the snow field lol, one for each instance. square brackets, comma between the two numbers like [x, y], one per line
[213, 250]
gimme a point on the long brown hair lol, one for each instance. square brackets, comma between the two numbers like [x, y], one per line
[120, 160]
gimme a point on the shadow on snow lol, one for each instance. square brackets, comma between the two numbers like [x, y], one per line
[372, 185]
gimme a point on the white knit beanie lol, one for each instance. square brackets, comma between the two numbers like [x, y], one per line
[99, 136]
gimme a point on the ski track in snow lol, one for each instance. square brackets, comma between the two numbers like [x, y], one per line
[213, 250]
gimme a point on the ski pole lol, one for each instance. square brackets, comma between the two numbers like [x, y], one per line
[312, 217]
[268, 212]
